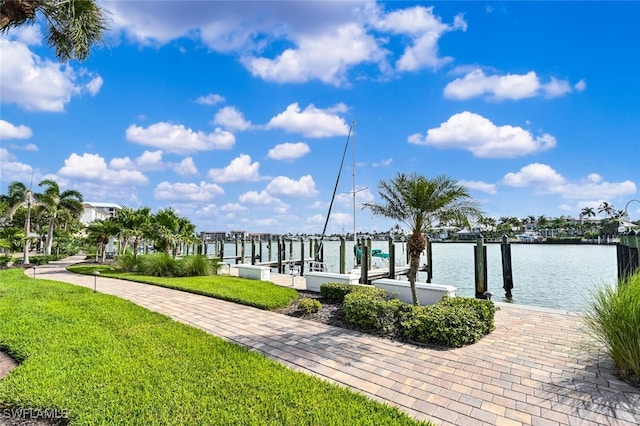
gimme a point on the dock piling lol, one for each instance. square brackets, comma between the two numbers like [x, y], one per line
[507, 266]
[480, 258]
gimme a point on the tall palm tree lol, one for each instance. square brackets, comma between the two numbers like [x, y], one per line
[418, 201]
[54, 201]
[606, 208]
[72, 26]
[100, 233]
[18, 195]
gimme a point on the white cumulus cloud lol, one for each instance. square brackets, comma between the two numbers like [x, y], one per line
[311, 122]
[147, 161]
[178, 139]
[480, 136]
[210, 99]
[187, 191]
[424, 29]
[241, 169]
[288, 151]
[37, 84]
[232, 119]
[287, 187]
[545, 180]
[92, 167]
[10, 131]
[489, 188]
[510, 86]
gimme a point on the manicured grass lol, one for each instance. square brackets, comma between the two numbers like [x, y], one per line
[108, 361]
[261, 294]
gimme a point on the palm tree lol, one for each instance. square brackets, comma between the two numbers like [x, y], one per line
[417, 202]
[72, 26]
[606, 208]
[100, 232]
[18, 195]
[54, 201]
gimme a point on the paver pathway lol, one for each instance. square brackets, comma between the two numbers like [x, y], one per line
[531, 370]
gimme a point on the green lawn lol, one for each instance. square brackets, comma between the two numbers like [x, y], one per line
[109, 361]
[261, 294]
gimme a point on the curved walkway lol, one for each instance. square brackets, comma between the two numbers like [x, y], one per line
[531, 370]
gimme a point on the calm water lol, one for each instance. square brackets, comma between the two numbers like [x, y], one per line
[554, 276]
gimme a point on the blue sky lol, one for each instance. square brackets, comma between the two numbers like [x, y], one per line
[236, 113]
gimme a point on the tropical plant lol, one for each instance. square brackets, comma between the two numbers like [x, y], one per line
[613, 318]
[100, 232]
[54, 202]
[195, 266]
[417, 202]
[11, 239]
[18, 195]
[72, 27]
[606, 208]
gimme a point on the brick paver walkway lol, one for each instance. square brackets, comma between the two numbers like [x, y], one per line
[532, 369]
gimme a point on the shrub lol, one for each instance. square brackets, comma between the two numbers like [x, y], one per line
[4, 260]
[158, 265]
[449, 323]
[370, 311]
[309, 306]
[195, 266]
[613, 319]
[485, 309]
[127, 262]
[336, 292]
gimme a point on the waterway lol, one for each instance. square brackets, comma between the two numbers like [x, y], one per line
[553, 276]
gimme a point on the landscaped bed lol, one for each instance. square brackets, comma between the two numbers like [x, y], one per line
[104, 360]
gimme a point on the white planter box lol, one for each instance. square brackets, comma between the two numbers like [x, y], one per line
[316, 279]
[253, 272]
[428, 294]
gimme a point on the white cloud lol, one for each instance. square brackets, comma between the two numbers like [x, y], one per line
[185, 167]
[424, 29]
[581, 86]
[480, 136]
[363, 195]
[356, 31]
[535, 174]
[92, 167]
[383, 163]
[232, 119]
[149, 160]
[12, 169]
[40, 85]
[10, 131]
[187, 191]
[94, 86]
[310, 59]
[233, 208]
[178, 139]
[510, 86]
[545, 180]
[264, 200]
[210, 99]
[287, 187]
[288, 151]
[312, 122]
[489, 188]
[241, 169]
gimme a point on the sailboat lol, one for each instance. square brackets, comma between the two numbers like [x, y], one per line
[357, 251]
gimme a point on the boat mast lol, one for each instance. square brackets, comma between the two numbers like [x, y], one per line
[335, 188]
[353, 185]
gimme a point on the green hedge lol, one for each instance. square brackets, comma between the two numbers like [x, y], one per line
[336, 292]
[453, 322]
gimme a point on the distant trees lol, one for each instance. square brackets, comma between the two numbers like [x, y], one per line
[72, 26]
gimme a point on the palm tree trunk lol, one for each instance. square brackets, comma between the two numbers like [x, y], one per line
[52, 223]
[414, 263]
[14, 11]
